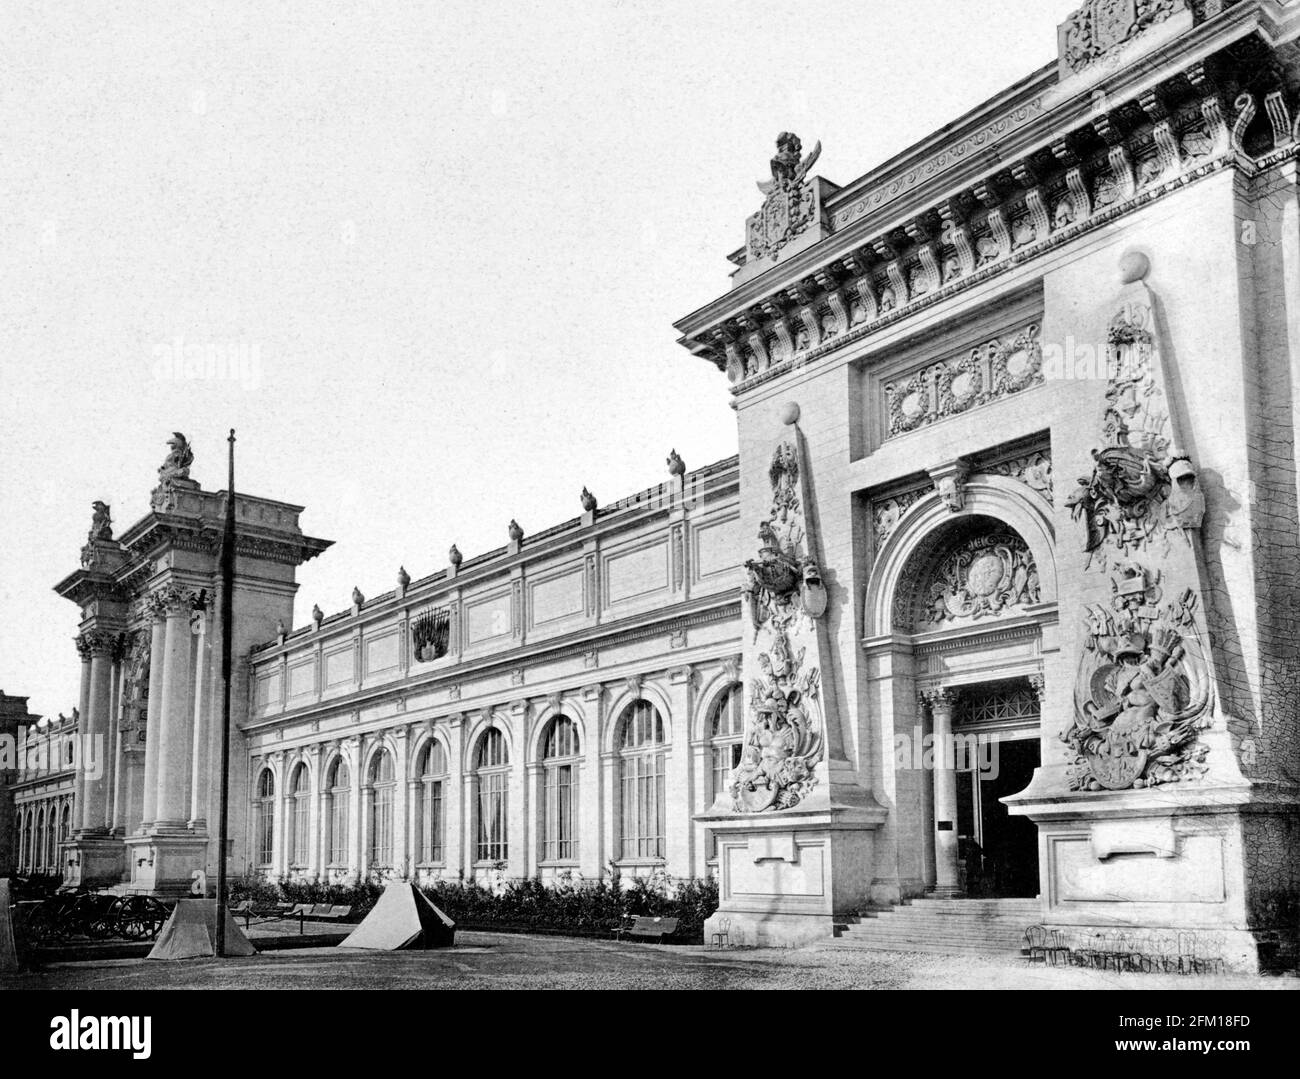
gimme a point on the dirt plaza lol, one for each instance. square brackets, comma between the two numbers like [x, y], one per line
[509, 961]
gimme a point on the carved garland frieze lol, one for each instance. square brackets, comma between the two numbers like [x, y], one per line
[986, 373]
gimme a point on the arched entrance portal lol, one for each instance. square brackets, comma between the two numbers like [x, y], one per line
[956, 612]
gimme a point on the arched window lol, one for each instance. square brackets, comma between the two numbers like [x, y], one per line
[52, 839]
[20, 830]
[383, 787]
[337, 791]
[641, 777]
[433, 780]
[300, 817]
[42, 839]
[491, 779]
[264, 819]
[726, 724]
[560, 790]
[65, 824]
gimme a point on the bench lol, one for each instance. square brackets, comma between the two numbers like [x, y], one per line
[644, 927]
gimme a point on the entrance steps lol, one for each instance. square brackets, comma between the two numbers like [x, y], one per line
[943, 926]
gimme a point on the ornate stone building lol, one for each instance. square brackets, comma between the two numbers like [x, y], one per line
[998, 599]
[1036, 378]
[41, 789]
[561, 703]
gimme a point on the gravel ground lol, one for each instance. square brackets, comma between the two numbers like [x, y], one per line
[501, 961]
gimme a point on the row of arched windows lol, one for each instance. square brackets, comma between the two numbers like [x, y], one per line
[40, 829]
[641, 781]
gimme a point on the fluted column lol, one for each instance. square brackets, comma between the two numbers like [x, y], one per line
[200, 769]
[94, 733]
[947, 880]
[176, 737]
[83, 710]
[112, 742]
[154, 709]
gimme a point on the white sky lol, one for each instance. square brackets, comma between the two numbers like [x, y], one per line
[454, 237]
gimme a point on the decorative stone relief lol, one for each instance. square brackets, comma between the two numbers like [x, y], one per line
[1034, 470]
[1144, 687]
[789, 205]
[988, 575]
[1143, 690]
[1102, 25]
[885, 512]
[1127, 500]
[784, 596]
[987, 373]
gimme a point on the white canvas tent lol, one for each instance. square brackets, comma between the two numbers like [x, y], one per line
[403, 918]
[191, 933]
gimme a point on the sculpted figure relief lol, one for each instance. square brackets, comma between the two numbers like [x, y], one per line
[788, 202]
[784, 595]
[178, 461]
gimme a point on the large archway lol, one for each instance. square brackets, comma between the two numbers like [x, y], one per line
[956, 610]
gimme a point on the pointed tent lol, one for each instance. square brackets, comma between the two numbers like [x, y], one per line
[191, 933]
[402, 919]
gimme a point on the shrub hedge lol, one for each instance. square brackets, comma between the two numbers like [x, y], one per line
[574, 907]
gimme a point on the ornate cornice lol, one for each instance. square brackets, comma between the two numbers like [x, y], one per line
[1102, 166]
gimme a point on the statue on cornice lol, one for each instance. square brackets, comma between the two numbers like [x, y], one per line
[788, 168]
[101, 523]
[177, 464]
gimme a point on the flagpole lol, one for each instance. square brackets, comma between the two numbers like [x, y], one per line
[227, 620]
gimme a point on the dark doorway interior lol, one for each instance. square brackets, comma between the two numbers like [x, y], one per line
[1008, 858]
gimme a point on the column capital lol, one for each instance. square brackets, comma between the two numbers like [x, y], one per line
[937, 696]
[96, 642]
[173, 599]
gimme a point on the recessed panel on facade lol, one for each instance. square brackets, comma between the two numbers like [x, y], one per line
[487, 618]
[338, 667]
[302, 678]
[637, 572]
[557, 597]
[381, 653]
[1193, 875]
[716, 544]
[268, 689]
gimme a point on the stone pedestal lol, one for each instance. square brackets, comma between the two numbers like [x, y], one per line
[1191, 861]
[92, 861]
[165, 865]
[783, 877]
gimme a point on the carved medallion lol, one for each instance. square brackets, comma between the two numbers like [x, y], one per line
[984, 576]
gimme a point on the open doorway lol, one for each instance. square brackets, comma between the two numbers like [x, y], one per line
[998, 726]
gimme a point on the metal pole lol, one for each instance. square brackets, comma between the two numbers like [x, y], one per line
[227, 620]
